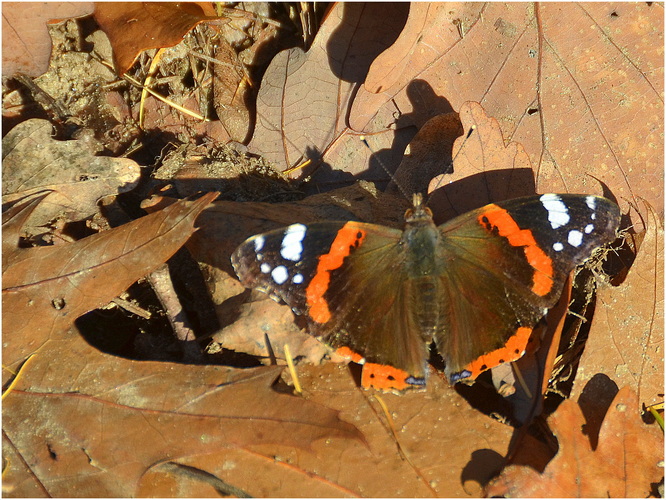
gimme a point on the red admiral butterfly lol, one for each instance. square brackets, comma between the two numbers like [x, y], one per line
[476, 285]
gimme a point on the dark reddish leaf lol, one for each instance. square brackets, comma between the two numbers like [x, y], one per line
[133, 27]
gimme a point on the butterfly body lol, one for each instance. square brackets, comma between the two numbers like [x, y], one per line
[475, 285]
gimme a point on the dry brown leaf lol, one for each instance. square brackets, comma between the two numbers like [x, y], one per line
[33, 161]
[584, 98]
[232, 93]
[626, 339]
[83, 423]
[26, 44]
[429, 154]
[133, 27]
[439, 434]
[303, 96]
[552, 89]
[486, 169]
[44, 289]
[449, 448]
[624, 464]
[276, 329]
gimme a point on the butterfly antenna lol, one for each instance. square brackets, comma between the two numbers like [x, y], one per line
[385, 168]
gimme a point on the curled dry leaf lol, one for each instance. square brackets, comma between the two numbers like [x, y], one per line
[103, 422]
[26, 44]
[624, 464]
[133, 27]
[33, 161]
[44, 289]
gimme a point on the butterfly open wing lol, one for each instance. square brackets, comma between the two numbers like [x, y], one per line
[477, 284]
[356, 295]
[503, 272]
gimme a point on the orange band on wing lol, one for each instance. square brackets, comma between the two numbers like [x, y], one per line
[497, 217]
[385, 378]
[513, 350]
[347, 353]
[349, 237]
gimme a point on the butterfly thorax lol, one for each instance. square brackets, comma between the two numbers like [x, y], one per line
[420, 240]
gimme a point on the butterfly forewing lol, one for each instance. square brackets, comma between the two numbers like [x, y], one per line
[280, 262]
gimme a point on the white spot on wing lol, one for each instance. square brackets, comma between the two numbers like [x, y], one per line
[265, 268]
[558, 247]
[280, 274]
[591, 202]
[575, 238]
[297, 279]
[558, 215]
[589, 228]
[259, 243]
[292, 247]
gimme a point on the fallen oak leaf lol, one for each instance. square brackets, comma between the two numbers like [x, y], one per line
[519, 60]
[627, 337]
[32, 161]
[486, 169]
[46, 288]
[624, 464]
[304, 96]
[13, 219]
[232, 94]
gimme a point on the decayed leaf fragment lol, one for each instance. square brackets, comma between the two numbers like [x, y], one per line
[44, 289]
[624, 464]
[33, 161]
